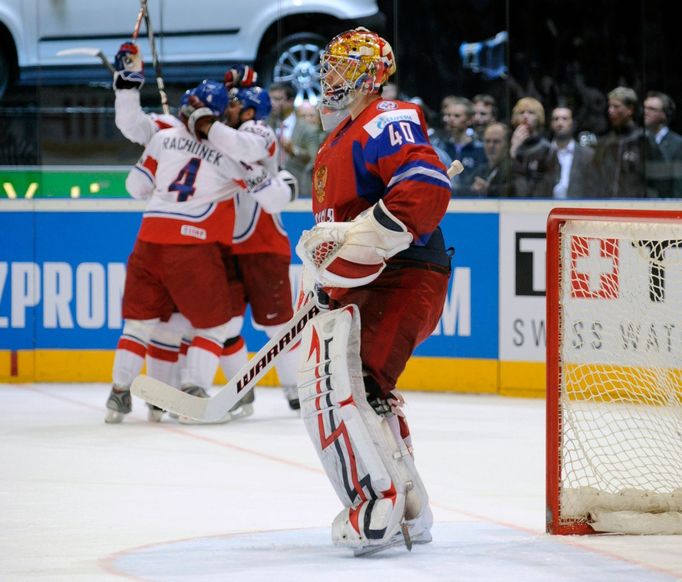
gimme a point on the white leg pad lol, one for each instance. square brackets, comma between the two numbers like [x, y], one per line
[371, 470]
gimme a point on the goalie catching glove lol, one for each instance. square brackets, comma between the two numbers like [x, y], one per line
[351, 254]
[128, 67]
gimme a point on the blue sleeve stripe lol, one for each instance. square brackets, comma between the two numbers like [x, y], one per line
[427, 180]
[419, 163]
[422, 174]
[145, 172]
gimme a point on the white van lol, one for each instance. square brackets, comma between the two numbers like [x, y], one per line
[195, 39]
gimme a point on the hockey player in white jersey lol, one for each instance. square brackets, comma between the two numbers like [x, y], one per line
[261, 247]
[177, 258]
[164, 344]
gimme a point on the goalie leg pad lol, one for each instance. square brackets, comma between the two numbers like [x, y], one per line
[371, 472]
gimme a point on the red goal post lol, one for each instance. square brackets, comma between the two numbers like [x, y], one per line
[614, 371]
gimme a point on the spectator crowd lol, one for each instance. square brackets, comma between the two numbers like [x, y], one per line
[534, 154]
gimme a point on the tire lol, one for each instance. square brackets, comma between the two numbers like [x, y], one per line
[296, 60]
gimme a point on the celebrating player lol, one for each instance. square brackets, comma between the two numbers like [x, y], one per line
[255, 230]
[379, 193]
[261, 249]
[177, 258]
[164, 346]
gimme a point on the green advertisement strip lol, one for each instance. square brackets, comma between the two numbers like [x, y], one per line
[42, 183]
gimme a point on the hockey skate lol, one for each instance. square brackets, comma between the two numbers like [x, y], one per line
[119, 404]
[194, 391]
[291, 394]
[415, 531]
[154, 413]
[243, 408]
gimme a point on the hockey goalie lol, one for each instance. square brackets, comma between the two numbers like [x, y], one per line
[379, 193]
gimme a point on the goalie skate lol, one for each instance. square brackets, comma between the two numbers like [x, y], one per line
[410, 533]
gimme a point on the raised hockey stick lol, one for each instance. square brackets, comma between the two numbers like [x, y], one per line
[216, 407]
[97, 53]
[138, 22]
[155, 58]
[88, 52]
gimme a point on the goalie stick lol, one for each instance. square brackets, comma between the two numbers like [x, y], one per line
[216, 407]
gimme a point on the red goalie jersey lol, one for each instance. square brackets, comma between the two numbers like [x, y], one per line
[383, 154]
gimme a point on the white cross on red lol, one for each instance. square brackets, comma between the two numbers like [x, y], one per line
[594, 268]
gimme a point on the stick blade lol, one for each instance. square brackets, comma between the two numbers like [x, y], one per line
[82, 51]
[168, 397]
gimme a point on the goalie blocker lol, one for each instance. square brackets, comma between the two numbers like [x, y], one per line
[361, 449]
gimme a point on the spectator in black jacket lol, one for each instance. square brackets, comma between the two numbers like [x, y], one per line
[624, 156]
[493, 179]
[535, 166]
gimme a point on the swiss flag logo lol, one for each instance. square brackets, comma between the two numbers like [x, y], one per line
[594, 268]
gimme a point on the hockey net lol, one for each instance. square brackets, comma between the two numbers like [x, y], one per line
[614, 371]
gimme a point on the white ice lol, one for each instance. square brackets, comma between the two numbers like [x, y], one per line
[247, 501]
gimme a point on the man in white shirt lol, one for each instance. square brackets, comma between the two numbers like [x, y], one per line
[298, 140]
[575, 159]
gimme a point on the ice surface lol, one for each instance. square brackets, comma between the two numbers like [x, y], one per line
[82, 501]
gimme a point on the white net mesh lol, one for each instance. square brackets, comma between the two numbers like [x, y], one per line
[323, 252]
[320, 245]
[621, 367]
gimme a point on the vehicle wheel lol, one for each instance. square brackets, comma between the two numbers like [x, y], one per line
[296, 60]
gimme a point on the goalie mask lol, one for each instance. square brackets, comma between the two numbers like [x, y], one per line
[353, 63]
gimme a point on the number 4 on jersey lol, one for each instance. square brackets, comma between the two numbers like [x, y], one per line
[184, 181]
